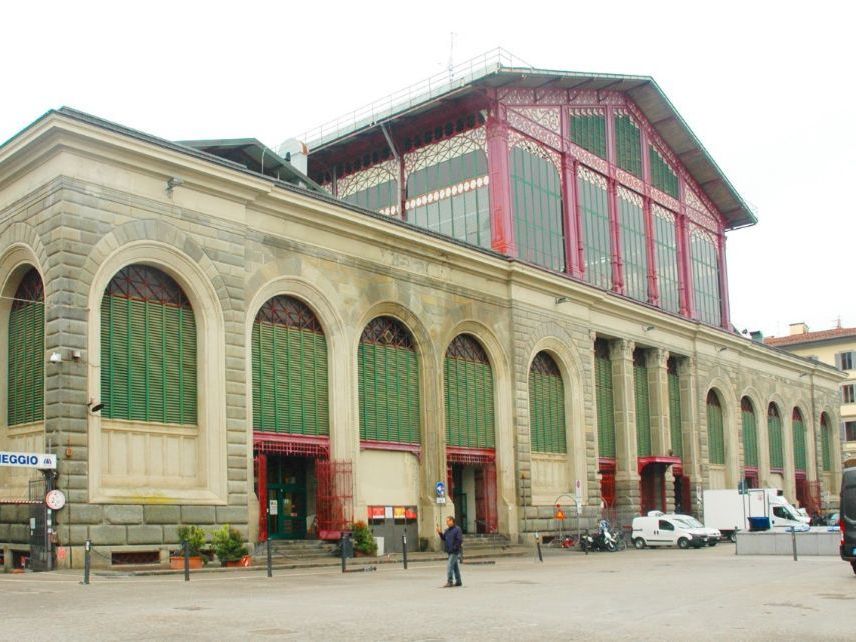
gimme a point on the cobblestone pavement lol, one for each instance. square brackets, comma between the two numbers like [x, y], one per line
[648, 594]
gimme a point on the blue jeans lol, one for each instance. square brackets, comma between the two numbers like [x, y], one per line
[453, 566]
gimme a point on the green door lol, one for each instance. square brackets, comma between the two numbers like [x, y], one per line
[287, 495]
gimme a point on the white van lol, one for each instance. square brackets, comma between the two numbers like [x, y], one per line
[657, 529]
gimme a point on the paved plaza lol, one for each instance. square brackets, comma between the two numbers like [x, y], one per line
[648, 594]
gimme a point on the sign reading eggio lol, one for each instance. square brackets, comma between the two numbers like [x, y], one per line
[28, 460]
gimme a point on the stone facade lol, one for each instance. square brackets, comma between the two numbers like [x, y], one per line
[80, 200]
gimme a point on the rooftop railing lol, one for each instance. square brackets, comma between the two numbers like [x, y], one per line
[436, 85]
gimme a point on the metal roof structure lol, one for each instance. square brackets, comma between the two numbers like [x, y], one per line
[499, 68]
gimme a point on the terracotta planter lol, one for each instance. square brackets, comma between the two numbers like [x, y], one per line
[246, 560]
[177, 562]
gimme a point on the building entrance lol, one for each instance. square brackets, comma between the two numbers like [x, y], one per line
[287, 496]
[653, 488]
[472, 488]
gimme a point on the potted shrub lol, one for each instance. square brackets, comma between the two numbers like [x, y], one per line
[229, 547]
[364, 541]
[195, 538]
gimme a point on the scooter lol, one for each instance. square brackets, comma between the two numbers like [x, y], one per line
[602, 540]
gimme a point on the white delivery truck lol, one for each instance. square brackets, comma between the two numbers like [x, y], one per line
[730, 511]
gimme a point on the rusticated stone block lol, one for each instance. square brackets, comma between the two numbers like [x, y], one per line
[197, 515]
[158, 514]
[104, 535]
[145, 535]
[120, 514]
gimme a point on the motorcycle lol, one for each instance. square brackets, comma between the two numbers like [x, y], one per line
[602, 540]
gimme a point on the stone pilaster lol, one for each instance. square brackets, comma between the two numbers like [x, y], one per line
[627, 496]
[658, 400]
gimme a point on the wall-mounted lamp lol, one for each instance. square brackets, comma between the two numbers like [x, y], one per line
[563, 299]
[172, 182]
[95, 407]
[56, 357]
[649, 328]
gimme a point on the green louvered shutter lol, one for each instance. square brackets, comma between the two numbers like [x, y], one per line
[388, 383]
[468, 382]
[289, 351]
[26, 379]
[799, 441]
[148, 349]
[546, 406]
[677, 440]
[750, 434]
[628, 145]
[588, 130]
[826, 443]
[774, 431]
[715, 434]
[643, 411]
[604, 400]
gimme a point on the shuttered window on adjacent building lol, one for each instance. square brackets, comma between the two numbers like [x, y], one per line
[774, 434]
[148, 349]
[628, 145]
[799, 440]
[677, 440]
[594, 211]
[536, 193]
[388, 383]
[715, 433]
[750, 433]
[663, 176]
[705, 265]
[468, 390]
[826, 442]
[643, 411]
[604, 399]
[588, 130]
[26, 358]
[289, 352]
[634, 247]
[546, 406]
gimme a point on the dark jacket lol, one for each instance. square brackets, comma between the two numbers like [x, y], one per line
[453, 539]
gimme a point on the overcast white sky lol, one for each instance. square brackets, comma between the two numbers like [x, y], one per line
[766, 86]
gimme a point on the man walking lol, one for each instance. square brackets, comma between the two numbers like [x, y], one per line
[453, 540]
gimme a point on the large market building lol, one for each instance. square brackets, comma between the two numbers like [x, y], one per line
[513, 284]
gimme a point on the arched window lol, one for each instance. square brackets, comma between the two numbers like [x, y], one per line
[666, 257]
[388, 383]
[675, 407]
[26, 375]
[468, 384]
[826, 442]
[715, 433]
[536, 192]
[148, 349]
[605, 404]
[799, 439]
[774, 432]
[750, 433]
[546, 406]
[705, 265]
[643, 410]
[289, 353]
[594, 213]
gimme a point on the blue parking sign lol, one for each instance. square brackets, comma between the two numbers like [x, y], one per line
[441, 489]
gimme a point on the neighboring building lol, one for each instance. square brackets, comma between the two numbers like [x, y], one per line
[836, 347]
[541, 305]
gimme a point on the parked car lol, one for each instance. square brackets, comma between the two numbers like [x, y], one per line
[713, 534]
[657, 529]
[848, 516]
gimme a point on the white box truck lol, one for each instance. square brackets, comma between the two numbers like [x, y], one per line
[729, 511]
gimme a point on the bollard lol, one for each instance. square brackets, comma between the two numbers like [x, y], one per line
[404, 550]
[87, 545]
[269, 564]
[342, 548]
[186, 548]
[538, 546]
[794, 541]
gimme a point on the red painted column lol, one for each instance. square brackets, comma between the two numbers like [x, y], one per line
[653, 281]
[573, 255]
[723, 284]
[684, 272]
[262, 493]
[501, 216]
